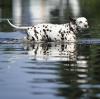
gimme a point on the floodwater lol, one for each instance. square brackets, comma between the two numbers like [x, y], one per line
[45, 71]
[48, 70]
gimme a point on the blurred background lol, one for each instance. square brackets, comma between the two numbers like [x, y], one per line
[29, 12]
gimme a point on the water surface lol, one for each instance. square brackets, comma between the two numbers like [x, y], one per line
[57, 71]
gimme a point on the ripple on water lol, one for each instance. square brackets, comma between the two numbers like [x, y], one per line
[52, 70]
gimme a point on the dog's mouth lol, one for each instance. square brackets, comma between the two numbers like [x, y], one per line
[85, 27]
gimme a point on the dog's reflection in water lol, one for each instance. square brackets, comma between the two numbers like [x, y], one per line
[52, 51]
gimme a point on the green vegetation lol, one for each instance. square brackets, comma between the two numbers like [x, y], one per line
[90, 9]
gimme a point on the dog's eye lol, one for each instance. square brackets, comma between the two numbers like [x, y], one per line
[80, 22]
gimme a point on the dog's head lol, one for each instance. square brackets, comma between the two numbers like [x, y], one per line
[81, 23]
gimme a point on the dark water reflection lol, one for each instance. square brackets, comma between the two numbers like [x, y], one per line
[53, 70]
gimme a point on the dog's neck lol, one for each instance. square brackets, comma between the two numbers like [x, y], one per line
[73, 27]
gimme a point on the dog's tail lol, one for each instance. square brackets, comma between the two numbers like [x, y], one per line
[17, 27]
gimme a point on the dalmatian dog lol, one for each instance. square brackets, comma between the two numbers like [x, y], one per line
[55, 32]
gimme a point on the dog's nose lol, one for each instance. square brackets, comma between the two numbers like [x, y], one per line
[86, 26]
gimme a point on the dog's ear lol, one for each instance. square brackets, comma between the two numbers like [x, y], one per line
[73, 20]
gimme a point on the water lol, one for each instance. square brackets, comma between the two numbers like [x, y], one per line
[49, 70]
[57, 71]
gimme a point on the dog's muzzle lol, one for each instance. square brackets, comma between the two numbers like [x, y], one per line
[86, 26]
